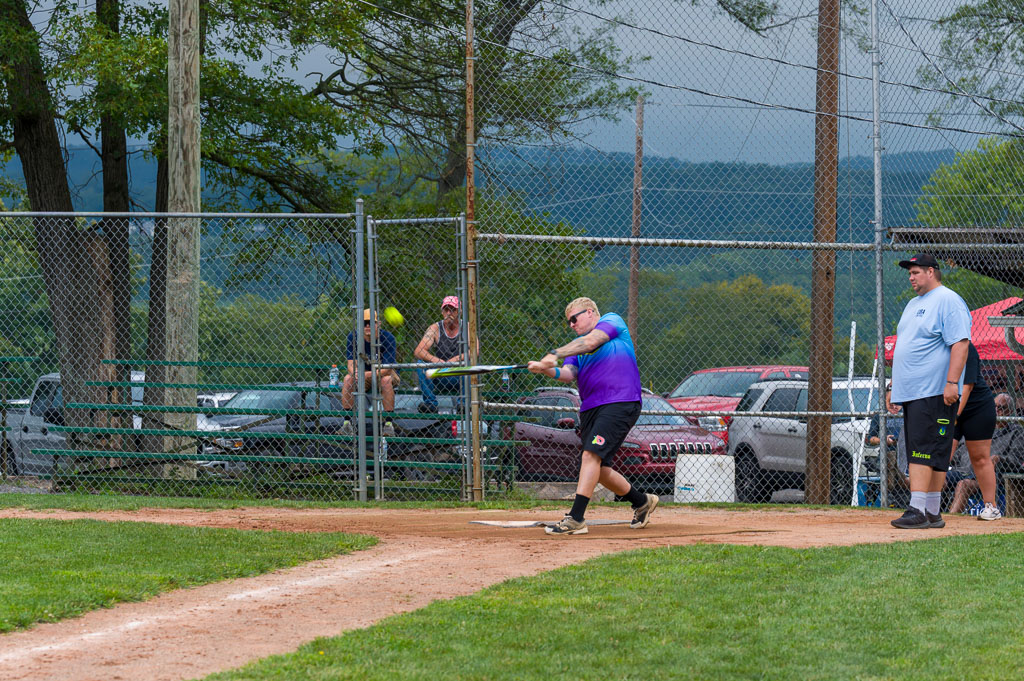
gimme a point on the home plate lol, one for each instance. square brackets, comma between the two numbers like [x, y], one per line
[542, 523]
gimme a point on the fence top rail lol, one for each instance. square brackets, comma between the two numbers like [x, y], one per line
[18, 359]
[213, 386]
[416, 221]
[214, 365]
[145, 215]
[255, 435]
[256, 411]
[957, 230]
[680, 243]
[662, 412]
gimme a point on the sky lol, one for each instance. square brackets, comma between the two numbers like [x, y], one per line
[717, 126]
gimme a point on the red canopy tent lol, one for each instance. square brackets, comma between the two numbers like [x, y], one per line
[990, 341]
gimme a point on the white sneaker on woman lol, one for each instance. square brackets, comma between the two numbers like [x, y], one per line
[990, 512]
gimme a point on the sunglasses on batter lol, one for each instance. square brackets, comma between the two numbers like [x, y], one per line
[572, 319]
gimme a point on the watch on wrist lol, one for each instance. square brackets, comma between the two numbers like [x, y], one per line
[954, 382]
[552, 352]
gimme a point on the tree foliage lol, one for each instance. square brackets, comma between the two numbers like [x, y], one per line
[981, 188]
[981, 51]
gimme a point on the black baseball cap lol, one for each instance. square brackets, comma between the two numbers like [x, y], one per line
[920, 260]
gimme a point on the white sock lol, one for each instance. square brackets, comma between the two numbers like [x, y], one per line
[917, 500]
[933, 500]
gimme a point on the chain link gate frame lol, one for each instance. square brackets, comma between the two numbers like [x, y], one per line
[864, 479]
[274, 296]
[302, 454]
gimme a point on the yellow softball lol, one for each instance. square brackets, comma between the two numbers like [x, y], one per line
[393, 317]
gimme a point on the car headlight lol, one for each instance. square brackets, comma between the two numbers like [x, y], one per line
[711, 422]
[229, 443]
[631, 445]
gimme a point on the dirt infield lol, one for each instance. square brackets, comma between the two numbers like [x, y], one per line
[424, 555]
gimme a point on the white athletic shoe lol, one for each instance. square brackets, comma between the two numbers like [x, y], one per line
[990, 512]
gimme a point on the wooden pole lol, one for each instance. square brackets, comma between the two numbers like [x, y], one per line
[823, 265]
[181, 329]
[472, 316]
[634, 251]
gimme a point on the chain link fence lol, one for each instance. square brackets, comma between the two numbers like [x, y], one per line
[724, 361]
[597, 128]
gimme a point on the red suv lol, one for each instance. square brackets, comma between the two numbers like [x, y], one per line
[648, 455]
[721, 389]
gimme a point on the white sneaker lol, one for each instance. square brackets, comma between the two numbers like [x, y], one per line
[990, 512]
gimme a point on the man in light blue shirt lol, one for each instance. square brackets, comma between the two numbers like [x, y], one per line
[927, 379]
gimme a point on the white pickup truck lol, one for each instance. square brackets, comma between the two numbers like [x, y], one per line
[32, 428]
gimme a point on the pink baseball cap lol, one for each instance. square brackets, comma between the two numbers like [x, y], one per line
[450, 301]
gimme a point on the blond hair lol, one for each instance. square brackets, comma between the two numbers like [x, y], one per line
[584, 303]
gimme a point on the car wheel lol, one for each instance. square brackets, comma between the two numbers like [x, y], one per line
[841, 478]
[751, 482]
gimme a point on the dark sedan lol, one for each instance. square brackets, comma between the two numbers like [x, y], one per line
[648, 455]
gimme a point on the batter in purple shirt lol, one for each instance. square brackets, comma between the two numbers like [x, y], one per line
[602, 362]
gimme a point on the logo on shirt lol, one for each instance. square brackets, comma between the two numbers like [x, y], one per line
[920, 312]
[598, 440]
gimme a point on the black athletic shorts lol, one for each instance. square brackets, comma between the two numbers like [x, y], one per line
[976, 423]
[928, 425]
[604, 428]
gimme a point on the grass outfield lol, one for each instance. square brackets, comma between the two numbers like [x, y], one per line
[54, 569]
[936, 609]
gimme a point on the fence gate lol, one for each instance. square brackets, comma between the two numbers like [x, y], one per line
[420, 430]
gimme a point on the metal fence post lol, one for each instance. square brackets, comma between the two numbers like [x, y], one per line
[357, 355]
[876, 103]
[375, 397]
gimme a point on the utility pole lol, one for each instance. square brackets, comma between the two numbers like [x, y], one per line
[181, 329]
[633, 304]
[477, 492]
[823, 263]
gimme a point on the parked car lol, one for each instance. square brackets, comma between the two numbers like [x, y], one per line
[771, 451]
[430, 426]
[721, 388]
[31, 429]
[262, 398]
[648, 455]
[217, 399]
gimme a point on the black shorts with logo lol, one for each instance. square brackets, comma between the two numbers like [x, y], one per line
[928, 425]
[604, 428]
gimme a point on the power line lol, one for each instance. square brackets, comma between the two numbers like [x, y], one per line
[776, 60]
[961, 92]
[684, 88]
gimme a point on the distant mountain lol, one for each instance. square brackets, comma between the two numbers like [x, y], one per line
[592, 190]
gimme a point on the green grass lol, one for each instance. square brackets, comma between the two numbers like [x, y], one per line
[939, 609]
[54, 569]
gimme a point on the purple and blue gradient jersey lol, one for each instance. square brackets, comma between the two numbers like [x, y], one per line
[609, 374]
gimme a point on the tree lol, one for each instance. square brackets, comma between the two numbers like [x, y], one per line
[538, 75]
[980, 52]
[74, 260]
[981, 188]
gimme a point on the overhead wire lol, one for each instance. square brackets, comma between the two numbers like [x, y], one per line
[960, 91]
[720, 48]
[684, 88]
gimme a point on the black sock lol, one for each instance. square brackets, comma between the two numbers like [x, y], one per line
[579, 507]
[635, 497]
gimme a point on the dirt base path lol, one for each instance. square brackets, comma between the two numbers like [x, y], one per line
[423, 556]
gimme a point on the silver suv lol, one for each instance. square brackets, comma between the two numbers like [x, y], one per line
[771, 451]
